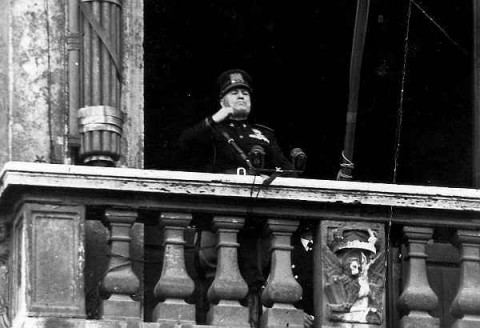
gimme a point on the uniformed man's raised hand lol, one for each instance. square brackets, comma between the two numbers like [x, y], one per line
[222, 114]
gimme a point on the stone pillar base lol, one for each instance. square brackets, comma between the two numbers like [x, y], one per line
[468, 321]
[282, 316]
[120, 307]
[174, 311]
[419, 320]
[228, 314]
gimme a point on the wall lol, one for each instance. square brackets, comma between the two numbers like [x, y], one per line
[132, 87]
[34, 81]
[4, 140]
[37, 87]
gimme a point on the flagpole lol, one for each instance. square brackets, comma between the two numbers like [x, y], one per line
[358, 45]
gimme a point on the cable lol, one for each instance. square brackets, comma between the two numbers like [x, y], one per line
[449, 38]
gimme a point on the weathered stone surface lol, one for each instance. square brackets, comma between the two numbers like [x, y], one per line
[173, 312]
[132, 100]
[419, 320]
[96, 237]
[228, 314]
[49, 257]
[418, 298]
[174, 284]
[350, 274]
[37, 47]
[287, 190]
[281, 286]
[120, 307]
[27, 322]
[228, 287]
[4, 94]
[120, 282]
[228, 283]
[466, 305]
[286, 316]
[468, 321]
[282, 290]
[33, 75]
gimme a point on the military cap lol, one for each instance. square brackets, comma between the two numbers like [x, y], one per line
[233, 78]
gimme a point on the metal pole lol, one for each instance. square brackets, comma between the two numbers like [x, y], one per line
[361, 20]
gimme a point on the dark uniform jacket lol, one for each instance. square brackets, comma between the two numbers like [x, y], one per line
[302, 268]
[206, 147]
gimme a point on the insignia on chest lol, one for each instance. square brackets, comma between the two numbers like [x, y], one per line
[257, 134]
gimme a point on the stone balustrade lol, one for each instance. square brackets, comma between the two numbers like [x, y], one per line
[357, 229]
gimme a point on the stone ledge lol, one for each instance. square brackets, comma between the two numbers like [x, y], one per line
[193, 184]
[30, 322]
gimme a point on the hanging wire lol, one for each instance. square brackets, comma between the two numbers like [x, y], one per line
[400, 110]
[402, 94]
[399, 126]
[440, 28]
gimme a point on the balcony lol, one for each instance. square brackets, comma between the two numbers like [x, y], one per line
[112, 247]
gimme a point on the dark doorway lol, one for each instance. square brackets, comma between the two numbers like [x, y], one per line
[299, 58]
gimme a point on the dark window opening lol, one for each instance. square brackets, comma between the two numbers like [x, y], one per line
[299, 59]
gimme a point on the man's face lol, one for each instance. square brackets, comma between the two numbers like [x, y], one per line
[239, 100]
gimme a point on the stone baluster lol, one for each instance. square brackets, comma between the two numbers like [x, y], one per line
[282, 289]
[418, 297]
[466, 305]
[174, 284]
[228, 287]
[120, 281]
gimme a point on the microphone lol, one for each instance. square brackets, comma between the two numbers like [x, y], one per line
[299, 159]
[257, 156]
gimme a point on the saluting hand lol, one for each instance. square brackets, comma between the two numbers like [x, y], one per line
[222, 114]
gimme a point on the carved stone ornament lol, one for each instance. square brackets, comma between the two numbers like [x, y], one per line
[354, 273]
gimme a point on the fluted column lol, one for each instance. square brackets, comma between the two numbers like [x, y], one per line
[100, 118]
[174, 284]
[418, 297]
[120, 281]
[228, 287]
[466, 305]
[282, 290]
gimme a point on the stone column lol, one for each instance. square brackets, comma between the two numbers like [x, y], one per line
[282, 289]
[418, 297]
[174, 284]
[100, 118]
[466, 305]
[120, 281]
[228, 287]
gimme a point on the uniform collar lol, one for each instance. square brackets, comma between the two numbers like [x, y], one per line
[236, 123]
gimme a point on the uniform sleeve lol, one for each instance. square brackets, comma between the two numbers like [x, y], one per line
[194, 147]
[199, 133]
[279, 159]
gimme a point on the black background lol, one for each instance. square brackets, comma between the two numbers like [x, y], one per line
[298, 56]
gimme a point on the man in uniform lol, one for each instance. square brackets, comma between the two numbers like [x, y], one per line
[234, 145]
[239, 146]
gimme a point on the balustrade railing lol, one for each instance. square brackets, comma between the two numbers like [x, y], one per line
[360, 231]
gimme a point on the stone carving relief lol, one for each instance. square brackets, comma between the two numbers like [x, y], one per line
[354, 275]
